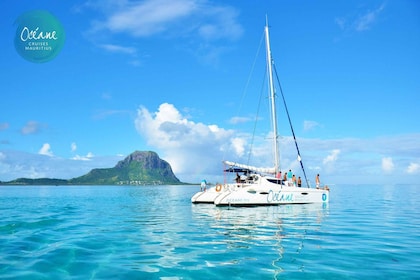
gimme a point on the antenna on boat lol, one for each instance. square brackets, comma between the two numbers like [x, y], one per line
[272, 96]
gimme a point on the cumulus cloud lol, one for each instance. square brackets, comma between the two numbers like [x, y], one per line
[87, 157]
[196, 149]
[193, 148]
[187, 145]
[332, 157]
[73, 147]
[413, 168]
[239, 145]
[387, 164]
[46, 150]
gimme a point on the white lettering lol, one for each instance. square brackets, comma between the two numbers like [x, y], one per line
[27, 34]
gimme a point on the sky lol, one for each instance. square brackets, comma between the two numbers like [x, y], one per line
[185, 78]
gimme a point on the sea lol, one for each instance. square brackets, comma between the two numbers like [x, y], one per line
[155, 232]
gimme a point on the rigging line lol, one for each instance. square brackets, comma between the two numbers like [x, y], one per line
[256, 118]
[245, 91]
[250, 73]
[291, 126]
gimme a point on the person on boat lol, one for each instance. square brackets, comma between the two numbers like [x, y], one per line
[317, 181]
[238, 178]
[203, 185]
[278, 176]
[285, 177]
[290, 176]
[294, 180]
[299, 182]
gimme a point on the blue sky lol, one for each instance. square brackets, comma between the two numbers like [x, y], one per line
[174, 76]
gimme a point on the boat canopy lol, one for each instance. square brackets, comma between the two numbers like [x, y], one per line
[244, 168]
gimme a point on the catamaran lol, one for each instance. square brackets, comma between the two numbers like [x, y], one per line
[257, 185]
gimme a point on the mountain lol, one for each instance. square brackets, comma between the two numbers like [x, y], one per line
[138, 168]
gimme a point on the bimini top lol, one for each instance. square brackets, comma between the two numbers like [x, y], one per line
[245, 168]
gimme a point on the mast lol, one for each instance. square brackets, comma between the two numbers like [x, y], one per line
[272, 98]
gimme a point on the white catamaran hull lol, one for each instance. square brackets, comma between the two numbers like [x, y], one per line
[260, 192]
[264, 192]
[274, 196]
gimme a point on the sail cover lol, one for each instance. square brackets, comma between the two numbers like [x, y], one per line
[270, 170]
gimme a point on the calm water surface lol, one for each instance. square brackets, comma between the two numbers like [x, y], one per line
[97, 232]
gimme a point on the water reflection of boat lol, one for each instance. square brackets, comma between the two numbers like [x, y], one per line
[261, 215]
[260, 234]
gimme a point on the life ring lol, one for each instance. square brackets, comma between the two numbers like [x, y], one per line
[218, 188]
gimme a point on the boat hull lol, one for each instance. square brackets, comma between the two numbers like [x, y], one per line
[209, 196]
[204, 197]
[274, 195]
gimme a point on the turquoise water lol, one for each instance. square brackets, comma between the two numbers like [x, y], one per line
[96, 232]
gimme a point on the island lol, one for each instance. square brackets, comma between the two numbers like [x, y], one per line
[138, 168]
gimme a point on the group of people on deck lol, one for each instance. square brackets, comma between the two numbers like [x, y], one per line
[291, 180]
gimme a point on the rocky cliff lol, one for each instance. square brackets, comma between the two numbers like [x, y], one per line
[138, 168]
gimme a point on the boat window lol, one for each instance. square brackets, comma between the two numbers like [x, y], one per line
[275, 181]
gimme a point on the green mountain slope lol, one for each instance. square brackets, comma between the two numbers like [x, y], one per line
[139, 168]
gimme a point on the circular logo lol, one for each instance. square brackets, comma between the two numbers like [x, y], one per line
[39, 36]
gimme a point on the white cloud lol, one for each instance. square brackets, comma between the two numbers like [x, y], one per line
[188, 146]
[387, 164]
[118, 49]
[73, 147]
[365, 21]
[147, 18]
[237, 120]
[31, 127]
[200, 23]
[310, 125]
[413, 168]
[195, 149]
[16, 164]
[361, 22]
[46, 150]
[207, 28]
[89, 156]
[332, 157]
[239, 145]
